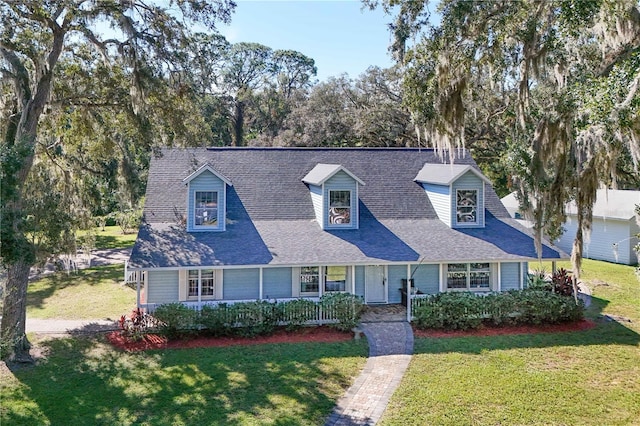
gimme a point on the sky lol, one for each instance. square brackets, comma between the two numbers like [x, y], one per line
[338, 35]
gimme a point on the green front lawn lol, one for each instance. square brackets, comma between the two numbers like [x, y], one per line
[94, 293]
[85, 382]
[582, 378]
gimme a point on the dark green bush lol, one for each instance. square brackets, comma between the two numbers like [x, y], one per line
[468, 311]
[214, 320]
[343, 307]
[254, 318]
[455, 311]
[176, 320]
[297, 313]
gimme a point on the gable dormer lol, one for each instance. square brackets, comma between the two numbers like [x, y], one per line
[334, 194]
[456, 192]
[206, 200]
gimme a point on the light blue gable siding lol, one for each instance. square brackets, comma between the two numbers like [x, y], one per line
[359, 280]
[316, 200]
[341, 181]
[426, 278]
[206, 181]
[395, 273]
[276, 283]
[241, 284]
[510, 276]
[162, 287]
[468, 180]
[440, 198]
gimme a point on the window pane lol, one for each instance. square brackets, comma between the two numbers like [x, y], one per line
[479, 280]
[309, 279]
[193, 283]
[454, 267]
[339, 207]
[208, 282]
[457, 280]
[335, 278]
[466, 205]
[206, 209]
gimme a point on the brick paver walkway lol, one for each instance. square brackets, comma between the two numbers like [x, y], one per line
[390, 349]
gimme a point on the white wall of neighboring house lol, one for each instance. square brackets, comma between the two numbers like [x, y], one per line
[613, 229]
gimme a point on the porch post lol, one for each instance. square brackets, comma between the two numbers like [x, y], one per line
[138, 275]
[199, 289]
[408, 292]
[260, 291]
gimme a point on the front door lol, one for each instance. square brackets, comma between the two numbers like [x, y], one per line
[375, 284]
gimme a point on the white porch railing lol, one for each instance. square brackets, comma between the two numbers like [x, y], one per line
[316, 312]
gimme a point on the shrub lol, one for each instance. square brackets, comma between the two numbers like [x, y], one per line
[538, 281]
[563, 282]
[137, 324]
[467, 311]
[254, 318]
[297, 313]
[456, 311]
[214, 320]
[543, 307]
[343, 307]
[176, 320]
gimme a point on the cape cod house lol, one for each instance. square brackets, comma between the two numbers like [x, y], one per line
[239, 224]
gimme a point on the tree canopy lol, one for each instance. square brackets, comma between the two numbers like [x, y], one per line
[552, 83]
[98, 66]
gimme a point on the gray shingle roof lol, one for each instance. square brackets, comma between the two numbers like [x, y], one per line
[270, 217]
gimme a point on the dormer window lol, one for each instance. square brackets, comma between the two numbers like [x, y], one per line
[206, 209]
[334, 194]
[206, 200]
[340, 207]
[467, 206]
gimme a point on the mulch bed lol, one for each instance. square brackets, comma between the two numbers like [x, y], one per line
[322, 334]
[326, 335]
[487, 330]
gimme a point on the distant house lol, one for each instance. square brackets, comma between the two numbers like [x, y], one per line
[613, 231]
[241, 224]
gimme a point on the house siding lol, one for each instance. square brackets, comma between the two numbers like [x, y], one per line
[316, 200]
[440, 197]
[604, 233]
[395, 275]
[634, 231]
[359, 284]
[426, 278]
[341, 181]
[468, 180]
[276, 283]
[510, 276]
[241, 284]
[162, 287]
[206, 181]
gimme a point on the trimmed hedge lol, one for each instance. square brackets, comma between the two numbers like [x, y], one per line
[516, 307]
[261, 317]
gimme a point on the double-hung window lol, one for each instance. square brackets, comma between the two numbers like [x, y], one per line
[309, 280]
[340, 207]
[468, 276]
[467, 206]
[203, 279]
[335, 278]
[206, 209]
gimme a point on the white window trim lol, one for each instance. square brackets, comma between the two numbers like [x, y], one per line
[193, 212]
[349, 286]
[352, 208]
[183, 285]
[494, 271]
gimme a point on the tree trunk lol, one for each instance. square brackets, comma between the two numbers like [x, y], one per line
[238, 124]
[15, 345]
